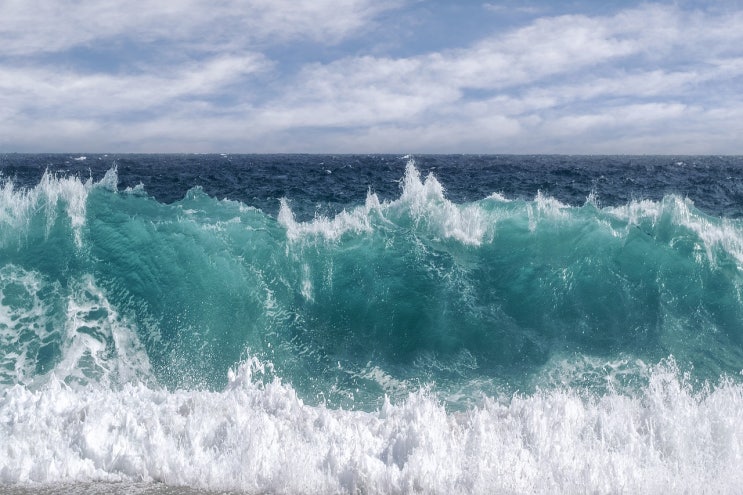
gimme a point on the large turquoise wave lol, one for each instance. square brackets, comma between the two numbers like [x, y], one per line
[482, 309]
[381, 299]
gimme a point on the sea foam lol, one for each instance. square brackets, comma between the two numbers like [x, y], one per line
[259, 436]
[422, 204]
[17, 207]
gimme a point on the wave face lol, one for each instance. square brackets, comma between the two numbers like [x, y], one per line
[398, 343]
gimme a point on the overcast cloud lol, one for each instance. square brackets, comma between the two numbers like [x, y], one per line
[370, 76]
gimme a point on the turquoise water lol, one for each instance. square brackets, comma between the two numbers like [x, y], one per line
[528, 345]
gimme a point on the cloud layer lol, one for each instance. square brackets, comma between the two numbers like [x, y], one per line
[316, 76]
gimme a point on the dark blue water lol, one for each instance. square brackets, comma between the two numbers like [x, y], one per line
[329, 183]
[196, 319]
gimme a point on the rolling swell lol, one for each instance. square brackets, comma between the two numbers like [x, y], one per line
[175, 312]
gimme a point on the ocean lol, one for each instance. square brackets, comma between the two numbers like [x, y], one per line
[310, 324]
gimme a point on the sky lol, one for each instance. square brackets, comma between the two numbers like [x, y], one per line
[371, 76]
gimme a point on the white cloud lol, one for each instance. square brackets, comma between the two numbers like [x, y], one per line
[541, 76]
[29, 27]
[521, 9]
[638, 116]
[567, 46]
[650, 79]
[90, 95]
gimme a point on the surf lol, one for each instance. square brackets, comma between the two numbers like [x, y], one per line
[403, 344]
[259, 436]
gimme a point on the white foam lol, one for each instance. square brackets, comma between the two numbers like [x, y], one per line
[423, 201]
[18, 206]
[92, 343]
[99, 345]
[356, 220]
[110, 180]
[714, 234]
[260, 437]
[23, 323]
[545, 207]
[499, 198]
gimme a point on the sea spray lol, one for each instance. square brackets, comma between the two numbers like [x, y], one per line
[260, 436]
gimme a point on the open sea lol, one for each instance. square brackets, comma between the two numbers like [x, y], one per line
[309, 324]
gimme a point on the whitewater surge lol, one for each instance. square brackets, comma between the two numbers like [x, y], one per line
[412, 344]
[260, 437]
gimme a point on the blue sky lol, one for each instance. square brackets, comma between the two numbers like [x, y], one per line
[371, 76]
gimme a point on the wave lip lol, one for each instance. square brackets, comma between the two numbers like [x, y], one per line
[18, 207]
[422, 205]
[714, 235]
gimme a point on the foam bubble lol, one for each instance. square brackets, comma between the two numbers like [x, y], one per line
[422, 201]
[499, 197]
[258, 436]
[714, 235]
[99, 345]
[356, 220]
[17, 207]
[73, 333]
[25, 336]
[545, 207]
